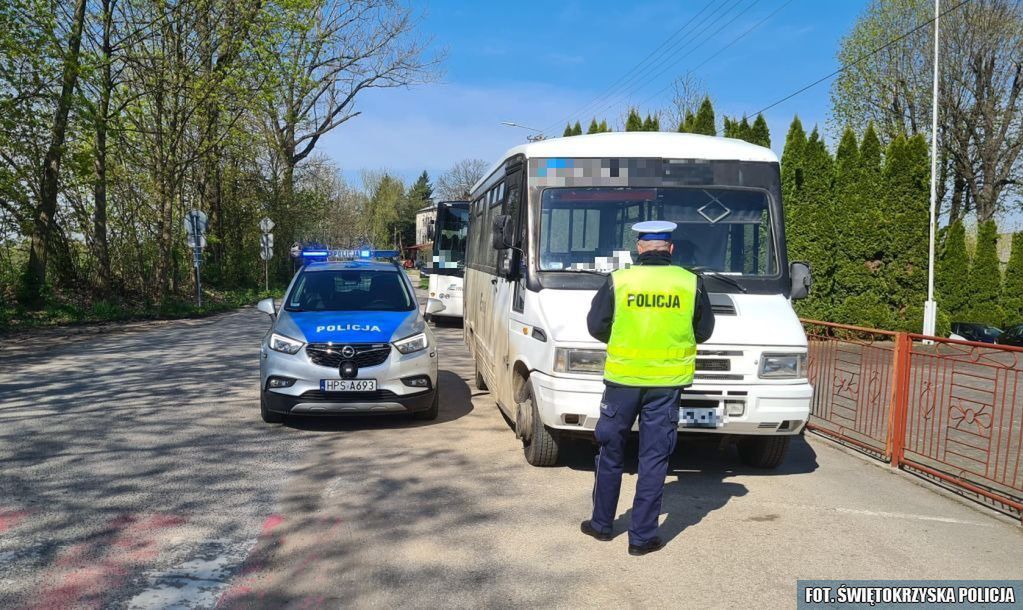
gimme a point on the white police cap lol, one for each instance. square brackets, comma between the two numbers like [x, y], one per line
[654, 230]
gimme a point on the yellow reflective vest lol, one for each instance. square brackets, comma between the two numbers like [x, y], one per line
[652, 342]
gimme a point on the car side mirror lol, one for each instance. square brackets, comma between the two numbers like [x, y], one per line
[430, 231]
[799, 274]
[501, 239]
[267, 307]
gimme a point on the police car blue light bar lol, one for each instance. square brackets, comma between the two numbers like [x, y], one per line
[362, 254]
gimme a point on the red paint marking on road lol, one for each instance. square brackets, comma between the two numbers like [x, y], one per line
[84, 574]
[11, 518]
[270, 524]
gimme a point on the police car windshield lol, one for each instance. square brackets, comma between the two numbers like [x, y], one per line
[350, 290]
[727, 231]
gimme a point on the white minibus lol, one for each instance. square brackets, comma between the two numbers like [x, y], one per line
[553, 217]
[449, 232]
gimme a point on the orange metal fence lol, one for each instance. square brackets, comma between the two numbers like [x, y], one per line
[949, 410]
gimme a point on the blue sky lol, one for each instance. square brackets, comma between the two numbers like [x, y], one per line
[536, 63]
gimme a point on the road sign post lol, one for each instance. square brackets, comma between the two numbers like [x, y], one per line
[195, 228]
[266, 248]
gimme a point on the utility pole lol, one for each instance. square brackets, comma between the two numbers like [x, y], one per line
[931, 307]
[195, 229]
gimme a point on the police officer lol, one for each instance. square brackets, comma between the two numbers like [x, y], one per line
[651, 316]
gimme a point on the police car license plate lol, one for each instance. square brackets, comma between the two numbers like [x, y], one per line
[695, 417]
[348, 385]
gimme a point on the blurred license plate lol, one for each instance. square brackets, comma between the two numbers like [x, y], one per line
[348, 385]
[695, 417]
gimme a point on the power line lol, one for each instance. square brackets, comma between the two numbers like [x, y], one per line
[683, 56]
[860, 59]
[624, 81]
[722, 49]
[638, 65]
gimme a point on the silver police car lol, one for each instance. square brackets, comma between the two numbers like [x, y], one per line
[349, 338]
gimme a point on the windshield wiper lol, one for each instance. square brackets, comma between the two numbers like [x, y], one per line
[590, 271]
[706, 272]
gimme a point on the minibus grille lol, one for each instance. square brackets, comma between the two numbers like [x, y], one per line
[713, 364]
[366, 354]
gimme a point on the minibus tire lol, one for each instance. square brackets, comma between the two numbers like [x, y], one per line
[764, 451]
[268, 416]
[542, 447]
[432, 412]
[481, 385]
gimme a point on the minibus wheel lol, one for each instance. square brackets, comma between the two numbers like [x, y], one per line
[541, 448]
[481, 385]
[764, 451]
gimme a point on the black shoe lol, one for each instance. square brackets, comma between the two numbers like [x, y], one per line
[591, 531]
[642, 549]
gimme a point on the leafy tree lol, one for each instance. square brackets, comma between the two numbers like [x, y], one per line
[759, 133]
[387, 198]
[952, 272]
[985, 279]
[568, 131]
[456, 183]
[577, 130]
[704, 121]
[593, 128]
[1012, 287]
[633, 122]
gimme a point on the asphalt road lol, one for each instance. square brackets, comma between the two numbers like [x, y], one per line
[135, 472]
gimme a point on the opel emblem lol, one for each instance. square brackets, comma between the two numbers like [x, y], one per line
[348, 351]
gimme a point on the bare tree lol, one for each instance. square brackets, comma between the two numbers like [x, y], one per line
[980, 112]
[688, 93]
[456, 183]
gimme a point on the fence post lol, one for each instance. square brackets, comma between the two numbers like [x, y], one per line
[899, 409]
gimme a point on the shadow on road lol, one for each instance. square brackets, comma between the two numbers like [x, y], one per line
[697, 482]
[455, 402]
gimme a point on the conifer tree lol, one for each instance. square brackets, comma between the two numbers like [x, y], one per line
[792, 169]
[634, 122]
[603, 126]
[811, 217]
[743, 129]
[577, 130]
[728, 127]
[686, 126]
[906, 203]
[704, 121]
[985, 279]
[952, 272]
[1012, 287]
[568, 131]
[852, 279]
[593, 128]
[759, 133]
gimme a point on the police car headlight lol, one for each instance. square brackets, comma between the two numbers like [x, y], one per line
[569, 360]
[411, 344]
[287, 345]
[783, 366]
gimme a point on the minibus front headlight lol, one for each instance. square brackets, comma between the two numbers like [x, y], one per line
[286, 345]
[783, 366]
[411, 344]
[571, 360]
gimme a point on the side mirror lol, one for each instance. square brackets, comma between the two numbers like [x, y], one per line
[430, 231]
[267, 307]
[501, 240]
[799, 274]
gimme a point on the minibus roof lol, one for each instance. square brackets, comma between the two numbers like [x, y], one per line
[639, 144]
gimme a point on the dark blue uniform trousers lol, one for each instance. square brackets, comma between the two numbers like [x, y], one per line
[657, 409]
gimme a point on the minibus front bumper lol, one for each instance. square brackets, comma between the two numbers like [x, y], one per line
[573, 404]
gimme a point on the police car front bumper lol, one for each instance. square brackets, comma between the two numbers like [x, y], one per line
[393, 393]
[573, 404]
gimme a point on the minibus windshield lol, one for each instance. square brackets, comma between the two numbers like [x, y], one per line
[720, 230]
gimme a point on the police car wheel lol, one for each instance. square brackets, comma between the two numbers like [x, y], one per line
[764, 451]
[268, 416]
[542, 447]
[433, 411]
